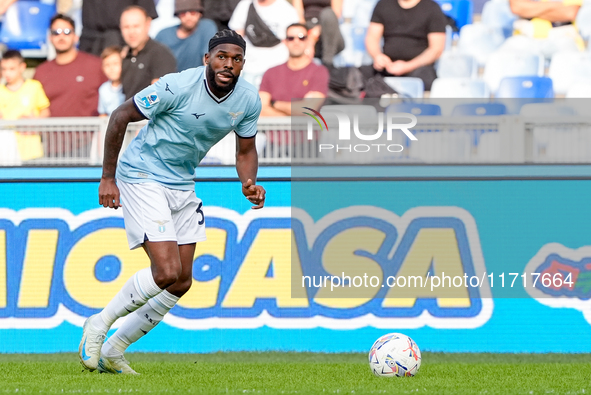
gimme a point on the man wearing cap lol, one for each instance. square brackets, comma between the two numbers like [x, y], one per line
[188, 113]
[188, 41]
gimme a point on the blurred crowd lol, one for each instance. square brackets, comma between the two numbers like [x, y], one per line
[291, 48]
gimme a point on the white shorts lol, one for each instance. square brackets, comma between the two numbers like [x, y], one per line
[155, 213]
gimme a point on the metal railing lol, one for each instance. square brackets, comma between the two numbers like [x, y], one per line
[477, 139]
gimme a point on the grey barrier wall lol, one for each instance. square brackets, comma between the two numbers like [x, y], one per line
[510, 139]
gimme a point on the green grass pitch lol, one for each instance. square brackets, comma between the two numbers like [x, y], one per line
[301, 373]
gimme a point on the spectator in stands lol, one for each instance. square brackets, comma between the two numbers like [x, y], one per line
[100, 22]
[539, 17]
[551, 11]
[414, 38]
[111, 92]
[20, 98]
[220, 11]
[263, 24]
[71, 81]
[144, 60]
[322, 19]
[298, 78]
[189, 40]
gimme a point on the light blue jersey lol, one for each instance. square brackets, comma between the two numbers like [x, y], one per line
[186, 120]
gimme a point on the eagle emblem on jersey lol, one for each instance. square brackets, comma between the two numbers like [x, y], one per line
[235, 115]
[161, 227]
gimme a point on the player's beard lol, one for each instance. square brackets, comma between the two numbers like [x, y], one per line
[222, 89]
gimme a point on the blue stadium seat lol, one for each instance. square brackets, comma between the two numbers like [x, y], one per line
[26, 26]
[480, 40]
[420, 109]
[479, 109]
[511, 64]
[456, 65]
[461, 11]
[527, 87]
[459, 88]
[410, 87]
[497, 14]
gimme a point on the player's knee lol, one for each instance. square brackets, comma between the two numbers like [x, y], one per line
[184, 286]
[166, 277]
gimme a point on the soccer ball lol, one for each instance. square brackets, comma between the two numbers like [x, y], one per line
[393, 355]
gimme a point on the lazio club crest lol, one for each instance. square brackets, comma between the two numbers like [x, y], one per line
[161, 227]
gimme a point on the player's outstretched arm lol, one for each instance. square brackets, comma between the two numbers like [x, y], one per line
[247, 163]
[120, 118]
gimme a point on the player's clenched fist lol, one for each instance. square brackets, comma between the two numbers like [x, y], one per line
[109, 193]
[254, 193]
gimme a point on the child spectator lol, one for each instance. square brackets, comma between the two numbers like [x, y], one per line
[111, 92]
[20, 98]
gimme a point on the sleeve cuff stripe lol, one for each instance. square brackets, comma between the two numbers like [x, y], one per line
[249, 137]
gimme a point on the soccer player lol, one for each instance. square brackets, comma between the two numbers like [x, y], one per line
[189, 112]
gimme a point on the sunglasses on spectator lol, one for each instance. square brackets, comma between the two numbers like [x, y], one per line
[301, 36]
[57, 32]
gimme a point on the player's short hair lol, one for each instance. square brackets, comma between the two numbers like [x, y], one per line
[13, 54]
[138, 8]
[297, 24]
[113, 49]
[227, 36]
[63, 17]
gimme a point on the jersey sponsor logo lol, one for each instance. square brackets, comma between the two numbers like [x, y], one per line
[564, 279]
[150, 100]
[197, 115]
[64, 267]
[167, 89]
[235, 115]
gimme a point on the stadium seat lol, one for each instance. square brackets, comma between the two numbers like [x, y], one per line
[523, 45]
[459, 88]
[567, 68]
[456, 65]
[410, 87]
[459, 10]
[420, 109]
[363, 10]
[583, 22]
[358, 16]
[347, 56]
[511, 64]
[479, 109]
[581, 90]
[527, 87]
[166, 18]
[480, 40]
[497, 14]
[26, 26]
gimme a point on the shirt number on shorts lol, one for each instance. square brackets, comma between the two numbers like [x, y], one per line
[199, 211]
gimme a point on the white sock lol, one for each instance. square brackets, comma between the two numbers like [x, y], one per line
[134, 294]
[139, 324]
